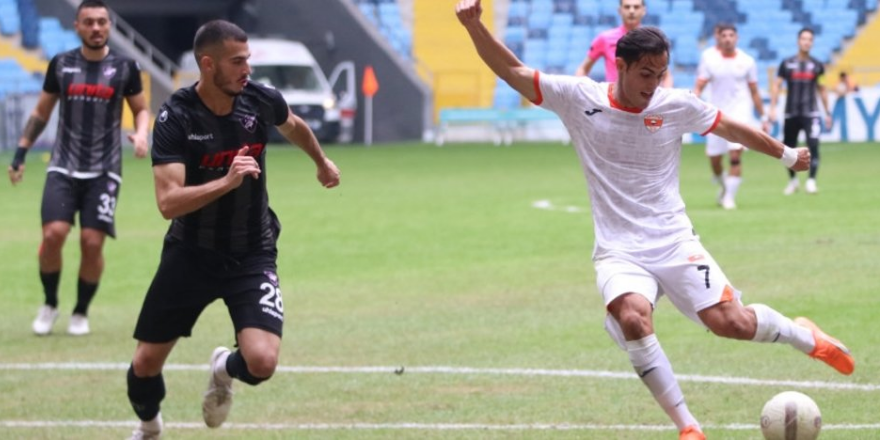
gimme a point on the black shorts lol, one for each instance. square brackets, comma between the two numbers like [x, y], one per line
[810, 125]
[94, 198]
[188, 279]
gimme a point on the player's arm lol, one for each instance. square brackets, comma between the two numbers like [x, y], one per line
[34, 126]
[498, 57]
[775, 89]
[759, 106]
[823, 96]
[797, 159]
[699, 86]
[138, 105]
[297, 132]
[175, 199]
[585, 67]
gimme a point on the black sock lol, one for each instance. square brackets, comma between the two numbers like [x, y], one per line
[145, 394]
[84, 293]
[237, 368]
[50, 287]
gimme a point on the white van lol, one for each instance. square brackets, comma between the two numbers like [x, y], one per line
[290, 68]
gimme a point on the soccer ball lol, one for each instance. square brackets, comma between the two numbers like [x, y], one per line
[791, 416]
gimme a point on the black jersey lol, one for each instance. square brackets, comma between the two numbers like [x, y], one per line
[802, 78]
[187, 132]
[89, 140]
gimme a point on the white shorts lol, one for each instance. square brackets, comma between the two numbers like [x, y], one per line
[718, 146]
[685, 272]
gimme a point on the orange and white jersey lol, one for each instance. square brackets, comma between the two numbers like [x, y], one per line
[630, 158]
[729, 79]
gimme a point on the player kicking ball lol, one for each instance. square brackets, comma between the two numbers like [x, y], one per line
[628, 137]
[208, 155]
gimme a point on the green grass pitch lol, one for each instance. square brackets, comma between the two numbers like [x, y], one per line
[429, 257]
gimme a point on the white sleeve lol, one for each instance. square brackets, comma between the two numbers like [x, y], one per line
[703, 68]
[555, 92]
[703, 117]
[753, 73]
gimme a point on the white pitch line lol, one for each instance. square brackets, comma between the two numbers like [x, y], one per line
[724, 380]
[404, 426]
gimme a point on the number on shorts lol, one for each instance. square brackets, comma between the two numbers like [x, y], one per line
[108, 205]
[706, 268]
[272, 292]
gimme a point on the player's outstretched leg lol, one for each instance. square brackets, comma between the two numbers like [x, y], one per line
[217, 399]
[829, 350]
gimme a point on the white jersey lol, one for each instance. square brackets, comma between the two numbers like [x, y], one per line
[630, 158]
[729, 79]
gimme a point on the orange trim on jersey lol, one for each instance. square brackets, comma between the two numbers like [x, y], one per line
[537, 83]
[714, 124]
[727, 294]
[617, 105]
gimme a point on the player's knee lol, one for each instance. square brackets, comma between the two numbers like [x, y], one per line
[91, 246]
[260, 367]
[53, 237]
[635, 324]
[144, 365]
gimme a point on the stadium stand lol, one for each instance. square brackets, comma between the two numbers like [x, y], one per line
[386, 16]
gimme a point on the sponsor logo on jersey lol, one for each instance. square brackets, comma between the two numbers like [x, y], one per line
[593, 111]
[163, 116]
[249, 122]
[223, 159]
[71, 70]
[89, 92]
[653, 122]
[200, 137]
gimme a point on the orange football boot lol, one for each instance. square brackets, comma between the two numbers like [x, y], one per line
[691, 433]
[829, 350]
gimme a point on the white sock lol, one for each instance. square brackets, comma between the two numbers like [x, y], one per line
[731, 186]
[154, 425]
[219, 368]
[653, 367]
[774, 327]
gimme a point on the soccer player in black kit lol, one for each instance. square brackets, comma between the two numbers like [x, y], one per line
[803, 76]
[208, 155]
[85, 171]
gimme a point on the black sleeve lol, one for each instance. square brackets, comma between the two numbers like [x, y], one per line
[134, 85]
[50, 84]
[782, 72]
[279, 107]
[168, 138]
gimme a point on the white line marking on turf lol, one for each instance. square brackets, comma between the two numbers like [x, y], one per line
[468, 370]
[549, 206]
[404, 426]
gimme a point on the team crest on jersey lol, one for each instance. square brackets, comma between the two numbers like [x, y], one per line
[653, 122]
[249, 122]
[109, 71]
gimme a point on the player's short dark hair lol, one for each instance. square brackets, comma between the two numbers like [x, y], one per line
[806, 29]
[724, 26]
[641, 41]
[620, 3]
[91, 4]
[216, 32]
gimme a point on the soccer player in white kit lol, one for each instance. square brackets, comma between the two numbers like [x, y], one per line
[732, 77]
[628, 137]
